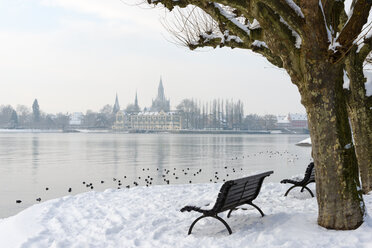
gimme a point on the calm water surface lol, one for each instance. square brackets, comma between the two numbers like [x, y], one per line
[30, 162]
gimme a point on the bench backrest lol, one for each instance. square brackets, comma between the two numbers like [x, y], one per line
[234, 193]
[310, 173]
[312, 176]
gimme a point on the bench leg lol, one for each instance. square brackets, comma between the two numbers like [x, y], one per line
[229, 213]
[286, 193]
[302, 190]
[259, 210]
[216, 217]
[311, 193]
[193, 224]
[249, 203]
[224, 222]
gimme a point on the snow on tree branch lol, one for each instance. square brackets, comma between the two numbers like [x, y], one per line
[295, 7]
[352, 28]
[289, 11]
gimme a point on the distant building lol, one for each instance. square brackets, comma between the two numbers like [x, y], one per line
[133, 107]
[116, 107]
[160, 103]
[76, 118]
[292, 122]
[155, 121]
[159, 118]
[298, 120]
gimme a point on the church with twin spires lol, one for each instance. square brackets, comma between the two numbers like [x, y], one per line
[157, 117]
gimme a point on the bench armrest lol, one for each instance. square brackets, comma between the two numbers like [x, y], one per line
[192, 208]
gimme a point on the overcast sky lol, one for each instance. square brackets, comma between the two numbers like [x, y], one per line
[75, 55]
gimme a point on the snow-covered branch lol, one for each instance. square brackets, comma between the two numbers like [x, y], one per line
[288, 11]
[352, 29]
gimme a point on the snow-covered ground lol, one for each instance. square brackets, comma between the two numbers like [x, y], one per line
[305, 142]
[150, 217]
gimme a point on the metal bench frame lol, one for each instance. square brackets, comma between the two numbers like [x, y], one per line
[232, 194]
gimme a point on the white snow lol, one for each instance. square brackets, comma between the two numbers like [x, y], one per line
[150, 217]
[348, 9]
[232, 18]
[255, 24]
[259, 43]
[333, 43]
[333, 46]
[294, 33]
[295, 7]
[368, 84]
[228, 37]
[305, 142]
[360, 46]
[207, 37]
[346, 84]
[365, 33]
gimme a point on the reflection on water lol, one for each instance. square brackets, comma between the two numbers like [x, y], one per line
[30, 162]
[35, 154]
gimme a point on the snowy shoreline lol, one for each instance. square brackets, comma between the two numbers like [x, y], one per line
[305, 142]
[150, 217]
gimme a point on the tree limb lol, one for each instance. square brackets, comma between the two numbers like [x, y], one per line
[352, 28]
[365, 50]
[281, 7]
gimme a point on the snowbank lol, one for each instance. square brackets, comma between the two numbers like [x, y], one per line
[150, 217]
[305, 142]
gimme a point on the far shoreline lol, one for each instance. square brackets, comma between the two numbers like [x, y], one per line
[184, 131]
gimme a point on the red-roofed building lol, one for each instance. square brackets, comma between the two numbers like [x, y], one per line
[293, 122]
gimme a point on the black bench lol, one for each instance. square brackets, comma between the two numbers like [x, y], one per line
[308, 178]
[232, 194]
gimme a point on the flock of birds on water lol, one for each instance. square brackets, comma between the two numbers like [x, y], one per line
[173, 175]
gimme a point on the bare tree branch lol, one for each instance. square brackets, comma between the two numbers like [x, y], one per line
[194, 28]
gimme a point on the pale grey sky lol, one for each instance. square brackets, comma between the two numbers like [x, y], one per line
[74, 55]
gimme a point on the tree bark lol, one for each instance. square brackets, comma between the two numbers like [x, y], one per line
[360, 116]
[340, 201]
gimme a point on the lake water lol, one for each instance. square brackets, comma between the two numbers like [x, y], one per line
[32, 162]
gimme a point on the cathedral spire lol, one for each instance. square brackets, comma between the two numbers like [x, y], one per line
[116, 107]
[136, 101]
[161, 90]
[160, 103]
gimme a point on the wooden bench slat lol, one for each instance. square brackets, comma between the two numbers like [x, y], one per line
[240, 188]
[245, 196]
[237, 181]
[241, 183]
[233, 196]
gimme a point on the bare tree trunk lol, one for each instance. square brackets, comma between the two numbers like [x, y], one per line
[361, 119]
[340, 202]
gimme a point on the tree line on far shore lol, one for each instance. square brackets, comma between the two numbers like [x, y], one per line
[23, 117]
[217, 114]
[220, 114]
